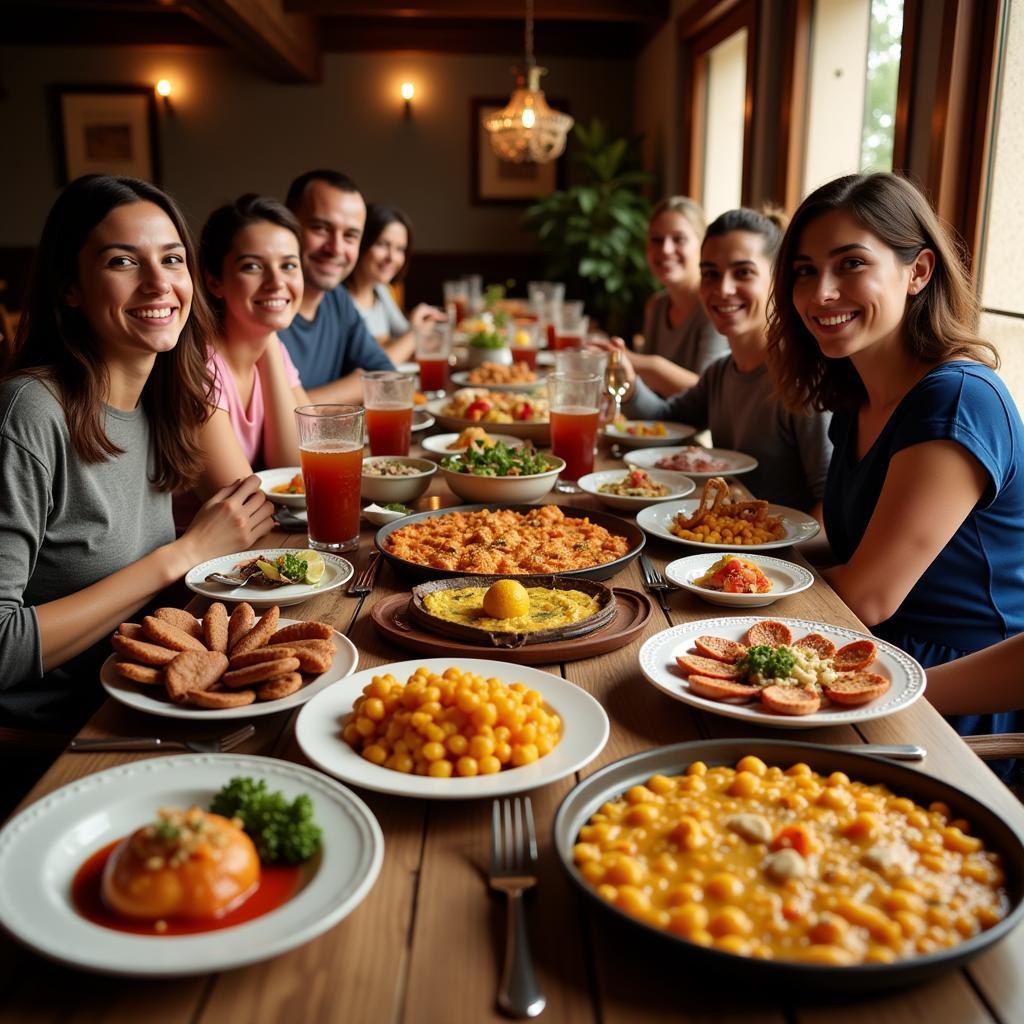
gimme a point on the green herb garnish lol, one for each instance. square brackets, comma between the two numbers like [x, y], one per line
[499, 460]
[292, 567]
[397, 506]
[282, 831]
[769, 662]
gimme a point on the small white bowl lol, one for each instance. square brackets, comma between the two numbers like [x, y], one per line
[787, 578]
[505, 489]
[386, 489]
[439, 444]
[378, 516]
[679, 486]
[273, 478]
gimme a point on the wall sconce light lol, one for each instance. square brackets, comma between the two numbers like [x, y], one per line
[408, 90]
[163, 90]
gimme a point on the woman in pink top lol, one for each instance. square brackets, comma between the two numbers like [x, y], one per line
[249, 255]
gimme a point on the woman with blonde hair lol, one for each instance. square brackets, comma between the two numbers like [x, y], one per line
[874, 318]
[679, 340]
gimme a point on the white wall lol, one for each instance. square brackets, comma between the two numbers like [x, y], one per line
[233, 131]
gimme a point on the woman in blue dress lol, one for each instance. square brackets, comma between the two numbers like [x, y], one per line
[874, 318]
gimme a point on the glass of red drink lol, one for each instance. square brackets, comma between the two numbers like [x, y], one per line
[457, 293]
[575, 402]
[331, 454]
[570, 325]
[433, 349]
[524, 342]
[387, 396]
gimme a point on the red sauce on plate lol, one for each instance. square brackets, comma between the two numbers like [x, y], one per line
[277, 885]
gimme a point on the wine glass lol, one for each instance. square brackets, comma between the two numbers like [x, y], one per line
[616, 382]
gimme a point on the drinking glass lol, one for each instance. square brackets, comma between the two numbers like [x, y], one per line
[331, 455]
[475, 287]
[456, 293]
[524, 341]
[575, 401]
[570, 325]
[616, 383]
[387, 395]
[433, 349]
[581, 360]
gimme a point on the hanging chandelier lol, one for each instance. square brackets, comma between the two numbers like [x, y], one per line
[528, 130]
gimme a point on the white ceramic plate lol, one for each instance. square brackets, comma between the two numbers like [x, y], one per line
[461, 380]
[538, 432]
[151, 699]
[674, 434]
[658, 664]
[592, 482]
[738, 462]
[655, 519]
[337, 572]
[584, 724]
[421, 419]
[787, 578]
[438, 444]
[272, 478]
[44, 846]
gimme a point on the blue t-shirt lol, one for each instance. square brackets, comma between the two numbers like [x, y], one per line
[334, 343]
[972, 595]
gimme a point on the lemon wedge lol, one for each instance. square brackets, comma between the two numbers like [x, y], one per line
[269, 570]
[314, 566]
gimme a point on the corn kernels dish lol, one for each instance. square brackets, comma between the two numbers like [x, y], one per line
[454, 724]
[791, 865]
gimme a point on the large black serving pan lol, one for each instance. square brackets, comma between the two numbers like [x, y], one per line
[613, 780]
[612, 523]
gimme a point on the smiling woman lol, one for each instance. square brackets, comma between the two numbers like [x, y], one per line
[874, 317]
[101, 405]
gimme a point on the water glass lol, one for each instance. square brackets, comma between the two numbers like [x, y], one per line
[581, 360]
[388, 395]
[433, 351]
[331, 455]
[575, 399]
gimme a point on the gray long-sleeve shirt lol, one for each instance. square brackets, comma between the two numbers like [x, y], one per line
[64, 525]
[792, 450]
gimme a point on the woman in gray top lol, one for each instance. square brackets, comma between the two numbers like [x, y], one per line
[384, 258]
[735, 394]
[679, 340]
[102, 398]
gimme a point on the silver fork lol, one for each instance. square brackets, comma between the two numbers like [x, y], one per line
[513, 871]
[655, 583]
[363, 583]
[228, 581]
[216, 746]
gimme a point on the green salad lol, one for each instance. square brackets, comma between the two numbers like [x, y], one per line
[500, 460]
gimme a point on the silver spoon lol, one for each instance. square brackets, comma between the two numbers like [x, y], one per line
[228, 581]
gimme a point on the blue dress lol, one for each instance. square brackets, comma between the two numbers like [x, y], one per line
[972, 595]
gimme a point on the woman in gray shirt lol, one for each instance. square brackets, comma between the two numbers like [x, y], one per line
[679, 340]
[102, 397]
[734, 396]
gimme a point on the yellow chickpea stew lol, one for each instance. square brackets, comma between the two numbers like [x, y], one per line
[457, 724]
[787, 864]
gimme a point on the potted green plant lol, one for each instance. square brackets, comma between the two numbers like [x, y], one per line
[594, 234]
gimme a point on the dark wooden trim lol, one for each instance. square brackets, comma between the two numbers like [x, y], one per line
[733, 15]
[796, 59]
[54, 94]
[962, 117]
[909, 46]
[550, 10]
[700, 16]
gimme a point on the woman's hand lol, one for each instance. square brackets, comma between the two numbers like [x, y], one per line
[424, 314]
[232, 520]
[616, 345]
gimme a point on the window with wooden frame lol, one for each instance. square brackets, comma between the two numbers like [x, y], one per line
[719, 41]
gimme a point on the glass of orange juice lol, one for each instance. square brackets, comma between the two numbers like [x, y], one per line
[387, 396]
[331, 454]
[433, 350]
[575, 403]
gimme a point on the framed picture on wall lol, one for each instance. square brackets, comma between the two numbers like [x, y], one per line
[106, 129]
[498, 183]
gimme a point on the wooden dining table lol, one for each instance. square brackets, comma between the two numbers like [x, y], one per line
[426, 944]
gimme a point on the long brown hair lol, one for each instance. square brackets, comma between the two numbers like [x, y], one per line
[939, 322]
[55, 343]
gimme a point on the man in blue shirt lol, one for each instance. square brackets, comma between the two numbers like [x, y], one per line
[328, 340]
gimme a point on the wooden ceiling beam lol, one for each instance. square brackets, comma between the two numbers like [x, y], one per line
[544, 10]
[284, 45]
